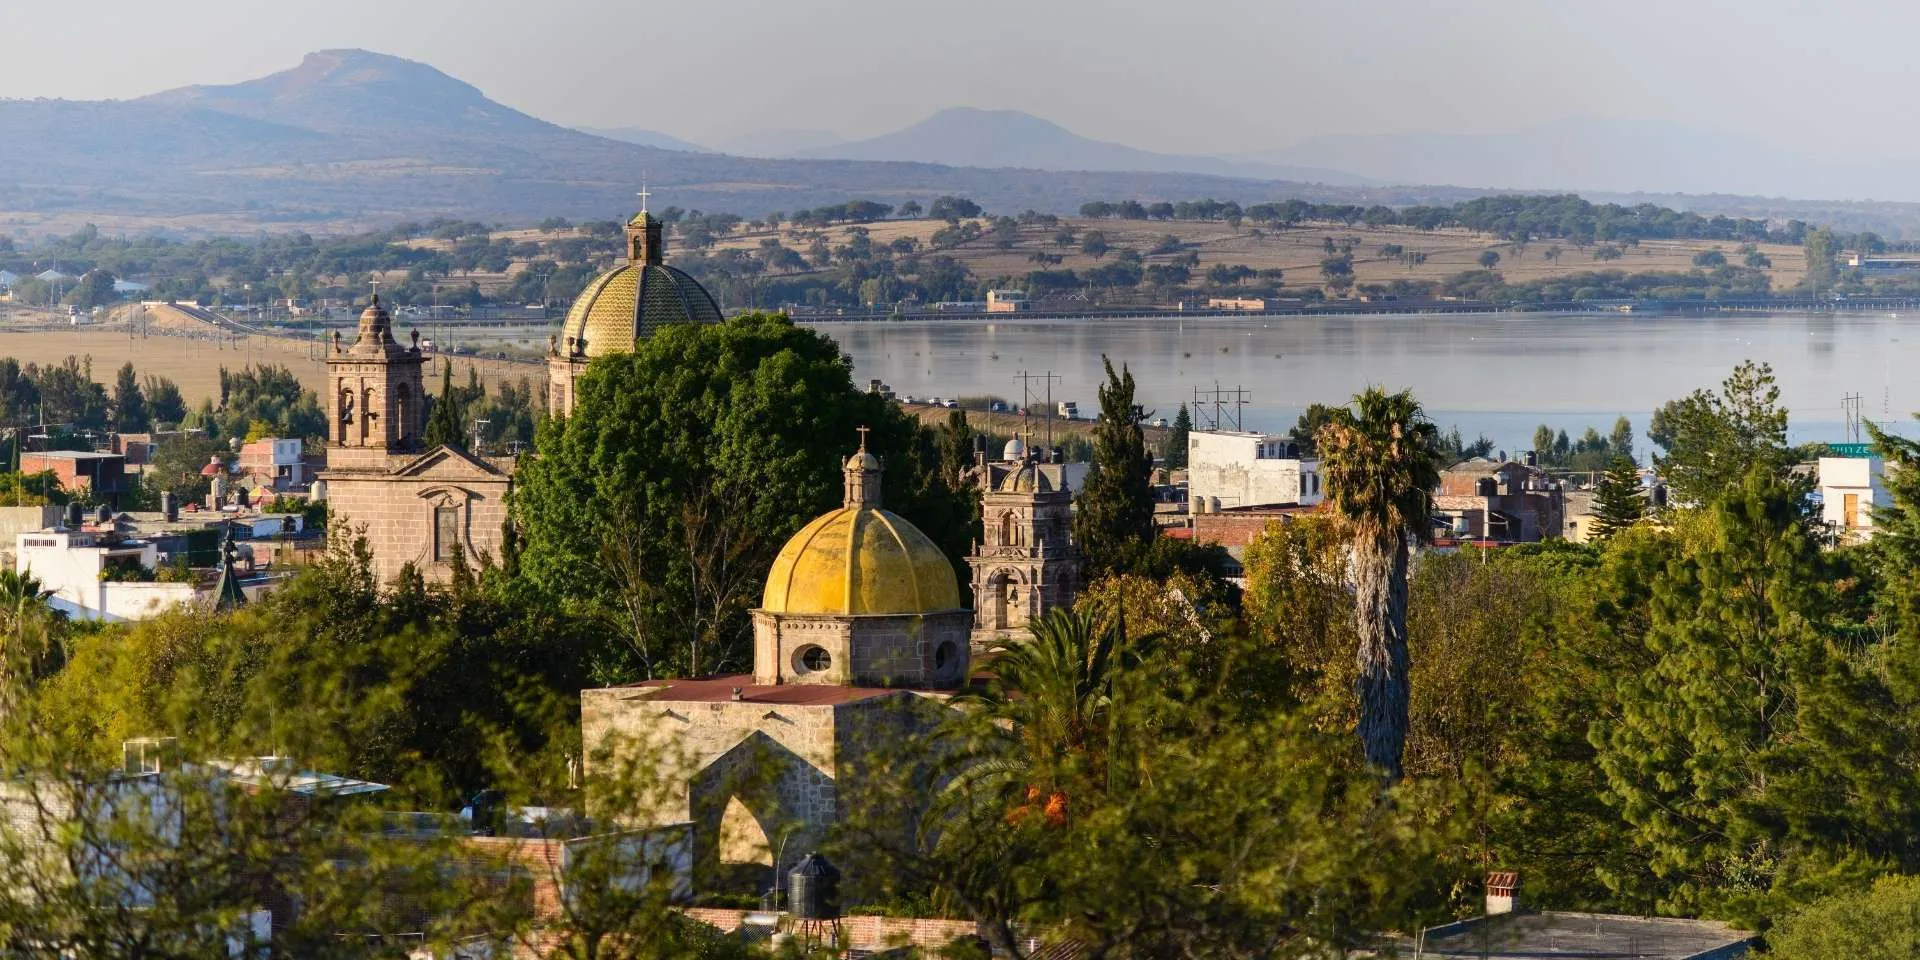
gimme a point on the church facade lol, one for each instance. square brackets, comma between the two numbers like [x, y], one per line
[414, 505]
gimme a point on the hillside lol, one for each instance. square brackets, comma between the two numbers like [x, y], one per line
[351, 139]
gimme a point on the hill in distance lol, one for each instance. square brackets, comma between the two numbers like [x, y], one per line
[349, 139]
[968, 137]
[646, 138]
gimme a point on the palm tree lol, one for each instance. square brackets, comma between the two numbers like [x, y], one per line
[1050, 707]
[30, 650]
[1381, 461]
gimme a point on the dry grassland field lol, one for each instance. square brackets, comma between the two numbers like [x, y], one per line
[1298, 251]
[194, 362]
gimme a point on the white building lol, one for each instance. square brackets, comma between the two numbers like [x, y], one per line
[1851, 488]
[82, 570]
[1231, 468]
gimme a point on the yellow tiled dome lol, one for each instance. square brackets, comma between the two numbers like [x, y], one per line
[861, 560]
[628, 303]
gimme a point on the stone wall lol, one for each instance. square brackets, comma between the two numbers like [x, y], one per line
[866, 651]
[396, 515]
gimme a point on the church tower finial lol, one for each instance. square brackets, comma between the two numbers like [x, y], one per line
[645, 239]
[863, 477]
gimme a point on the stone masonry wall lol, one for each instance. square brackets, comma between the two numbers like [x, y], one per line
[397, 516]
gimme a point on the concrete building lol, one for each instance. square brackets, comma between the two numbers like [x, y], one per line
[1851, 488]
[1501, 501]
[103, 475]
[273, 465]
[101, 574]
[1243, 304]
[1007, 301]
[1229, 469]
[859, 639]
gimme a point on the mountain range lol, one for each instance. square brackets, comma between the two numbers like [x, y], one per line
[352, 138]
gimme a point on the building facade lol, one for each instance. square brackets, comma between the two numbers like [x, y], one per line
[1025, 563]
[414, 506]
[1502, 501]
[1229, 469]
[1851, 488]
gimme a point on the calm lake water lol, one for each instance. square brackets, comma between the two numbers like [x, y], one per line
[1501, 375]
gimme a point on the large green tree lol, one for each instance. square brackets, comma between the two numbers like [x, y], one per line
[1113, 516]
[657, 507]
[129, 403]
[1753, 760]
[1381, 461]
[1713, 440]
[443, 423]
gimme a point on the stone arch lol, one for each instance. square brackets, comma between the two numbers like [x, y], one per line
[759, 792]
[344, 405]
[366, 415]
[1009, 528]
[402, 414]
[1005, 599]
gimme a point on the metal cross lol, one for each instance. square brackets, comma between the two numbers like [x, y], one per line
[863, 438]
[376, 287]
[643, 193]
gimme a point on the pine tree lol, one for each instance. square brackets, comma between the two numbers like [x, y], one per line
[1617, 503]
[443, 424]
[1173, 452]
[129, 404]
[1750, 757]
[1113, 516]
[956, 447]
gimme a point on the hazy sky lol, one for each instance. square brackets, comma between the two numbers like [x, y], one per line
[1193, 76]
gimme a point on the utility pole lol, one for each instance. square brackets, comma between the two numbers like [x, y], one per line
[1026, 396]
[1850, 408]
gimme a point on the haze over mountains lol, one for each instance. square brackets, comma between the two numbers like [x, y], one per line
[349, 139]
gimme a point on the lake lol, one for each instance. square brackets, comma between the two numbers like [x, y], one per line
[1495, 374]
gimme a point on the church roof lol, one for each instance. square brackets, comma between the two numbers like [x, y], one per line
[1026, 478]
[627, 304]
[861, 560]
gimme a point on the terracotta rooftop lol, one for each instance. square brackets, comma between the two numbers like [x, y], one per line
[718, 689]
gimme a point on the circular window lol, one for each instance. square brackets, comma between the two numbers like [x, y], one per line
[812, 659]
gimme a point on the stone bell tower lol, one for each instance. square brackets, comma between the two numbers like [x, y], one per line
[1025, 563]
[374, 395]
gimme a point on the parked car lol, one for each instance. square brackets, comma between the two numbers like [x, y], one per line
[950, 404]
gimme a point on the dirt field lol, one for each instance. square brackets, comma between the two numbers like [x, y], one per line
[1298, 251]
[194, 362]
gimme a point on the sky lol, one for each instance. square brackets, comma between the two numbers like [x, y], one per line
[1195, 76]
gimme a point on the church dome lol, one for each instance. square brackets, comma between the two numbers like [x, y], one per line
[625, 305]
[861, 560]
[1016, 449]
[1026, 479]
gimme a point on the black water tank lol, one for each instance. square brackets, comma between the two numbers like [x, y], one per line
[103, 514]
[168, 508]
[1486, 487]
[813, 889]
[76, 515]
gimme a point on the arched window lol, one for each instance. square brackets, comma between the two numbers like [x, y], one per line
[1007, 530]
[346, 411]
[366, 413]
[402, 414]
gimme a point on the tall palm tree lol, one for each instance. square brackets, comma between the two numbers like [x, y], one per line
[1050, 705]
[1381, 461]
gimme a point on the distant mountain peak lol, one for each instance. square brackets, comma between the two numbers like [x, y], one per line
[350, 90]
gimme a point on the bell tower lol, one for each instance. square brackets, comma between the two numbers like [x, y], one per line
[375, 395]
[1025, 563]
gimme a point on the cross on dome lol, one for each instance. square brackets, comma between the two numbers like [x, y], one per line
[643, 193]
[863, 437]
